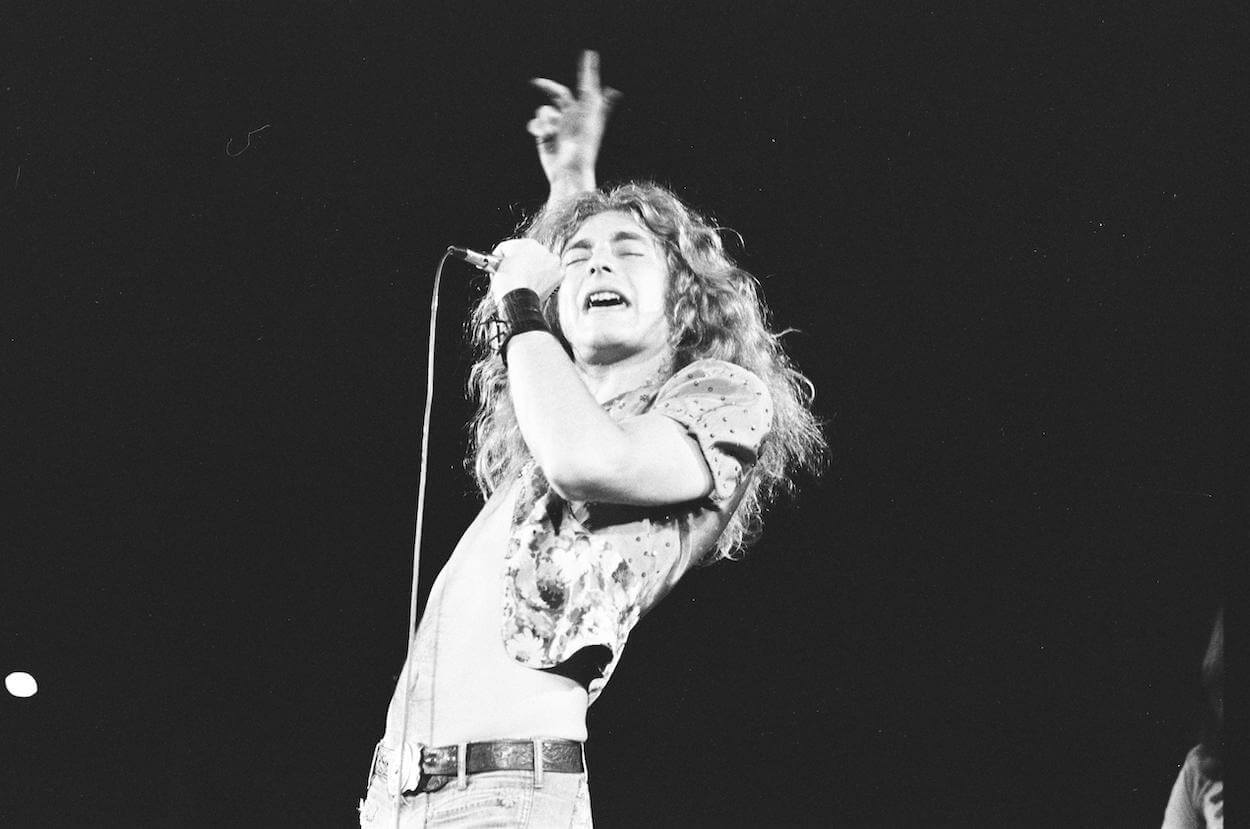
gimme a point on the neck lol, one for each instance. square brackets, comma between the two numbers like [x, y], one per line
[607, 380]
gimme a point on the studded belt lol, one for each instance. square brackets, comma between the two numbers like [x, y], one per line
[439, 766]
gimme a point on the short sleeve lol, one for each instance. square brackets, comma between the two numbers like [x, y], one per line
[727, 410]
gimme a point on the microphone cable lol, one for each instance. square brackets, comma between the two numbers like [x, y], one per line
[416, 546]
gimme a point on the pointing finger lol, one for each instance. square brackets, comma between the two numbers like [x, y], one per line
[588, 72]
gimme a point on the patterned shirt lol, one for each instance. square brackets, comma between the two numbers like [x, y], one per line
[579, 576]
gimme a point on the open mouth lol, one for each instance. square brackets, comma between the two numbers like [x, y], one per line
[604, 299]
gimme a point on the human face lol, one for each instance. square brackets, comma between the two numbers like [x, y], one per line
[613, 292]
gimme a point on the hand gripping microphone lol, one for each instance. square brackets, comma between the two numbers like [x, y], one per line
[481, 261]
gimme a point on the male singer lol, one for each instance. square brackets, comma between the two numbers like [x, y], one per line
[632, 422]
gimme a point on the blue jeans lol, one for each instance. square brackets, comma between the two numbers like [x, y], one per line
[487, 799]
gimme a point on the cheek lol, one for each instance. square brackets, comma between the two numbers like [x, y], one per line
[653, 296]
[564, 308]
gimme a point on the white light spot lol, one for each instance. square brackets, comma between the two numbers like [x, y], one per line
[21, 684]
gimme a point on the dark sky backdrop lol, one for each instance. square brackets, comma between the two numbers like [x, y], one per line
[997, 234]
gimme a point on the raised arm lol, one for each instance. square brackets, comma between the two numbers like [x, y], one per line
[570, 129]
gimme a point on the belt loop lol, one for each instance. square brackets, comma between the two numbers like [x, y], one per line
[462, 762]
[538, 764]
[585, 765]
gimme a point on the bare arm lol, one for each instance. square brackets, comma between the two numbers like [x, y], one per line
[584, 453]
[586, 456]
[570, 129]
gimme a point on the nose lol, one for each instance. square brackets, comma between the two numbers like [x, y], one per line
[600, 260]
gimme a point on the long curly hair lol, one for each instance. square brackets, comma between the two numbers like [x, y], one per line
[714, 311]
[1211, 748]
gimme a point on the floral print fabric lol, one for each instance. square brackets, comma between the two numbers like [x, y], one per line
[577, 575]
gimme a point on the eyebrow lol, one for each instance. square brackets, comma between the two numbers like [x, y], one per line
[619, 236]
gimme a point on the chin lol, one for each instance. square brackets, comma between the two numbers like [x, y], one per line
[599, 339]
[602, 354]
[603, 345]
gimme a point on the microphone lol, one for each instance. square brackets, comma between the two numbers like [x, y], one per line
[481, 261]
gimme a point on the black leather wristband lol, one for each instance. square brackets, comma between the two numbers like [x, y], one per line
[523, 312]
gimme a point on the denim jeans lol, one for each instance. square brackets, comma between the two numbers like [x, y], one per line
[487, 799]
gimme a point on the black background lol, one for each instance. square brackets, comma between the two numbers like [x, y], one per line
[998, 235]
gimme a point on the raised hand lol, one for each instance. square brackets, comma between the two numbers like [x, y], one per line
[570, 129]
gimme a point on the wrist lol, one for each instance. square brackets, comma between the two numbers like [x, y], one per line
[501, 286]
[570, 182]
[522, 311]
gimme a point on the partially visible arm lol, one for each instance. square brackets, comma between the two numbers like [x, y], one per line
[1180, 812]
[570, 129]
[585, 454]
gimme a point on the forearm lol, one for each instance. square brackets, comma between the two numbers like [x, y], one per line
[568, 184]
[565, 428]
[585, 453]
